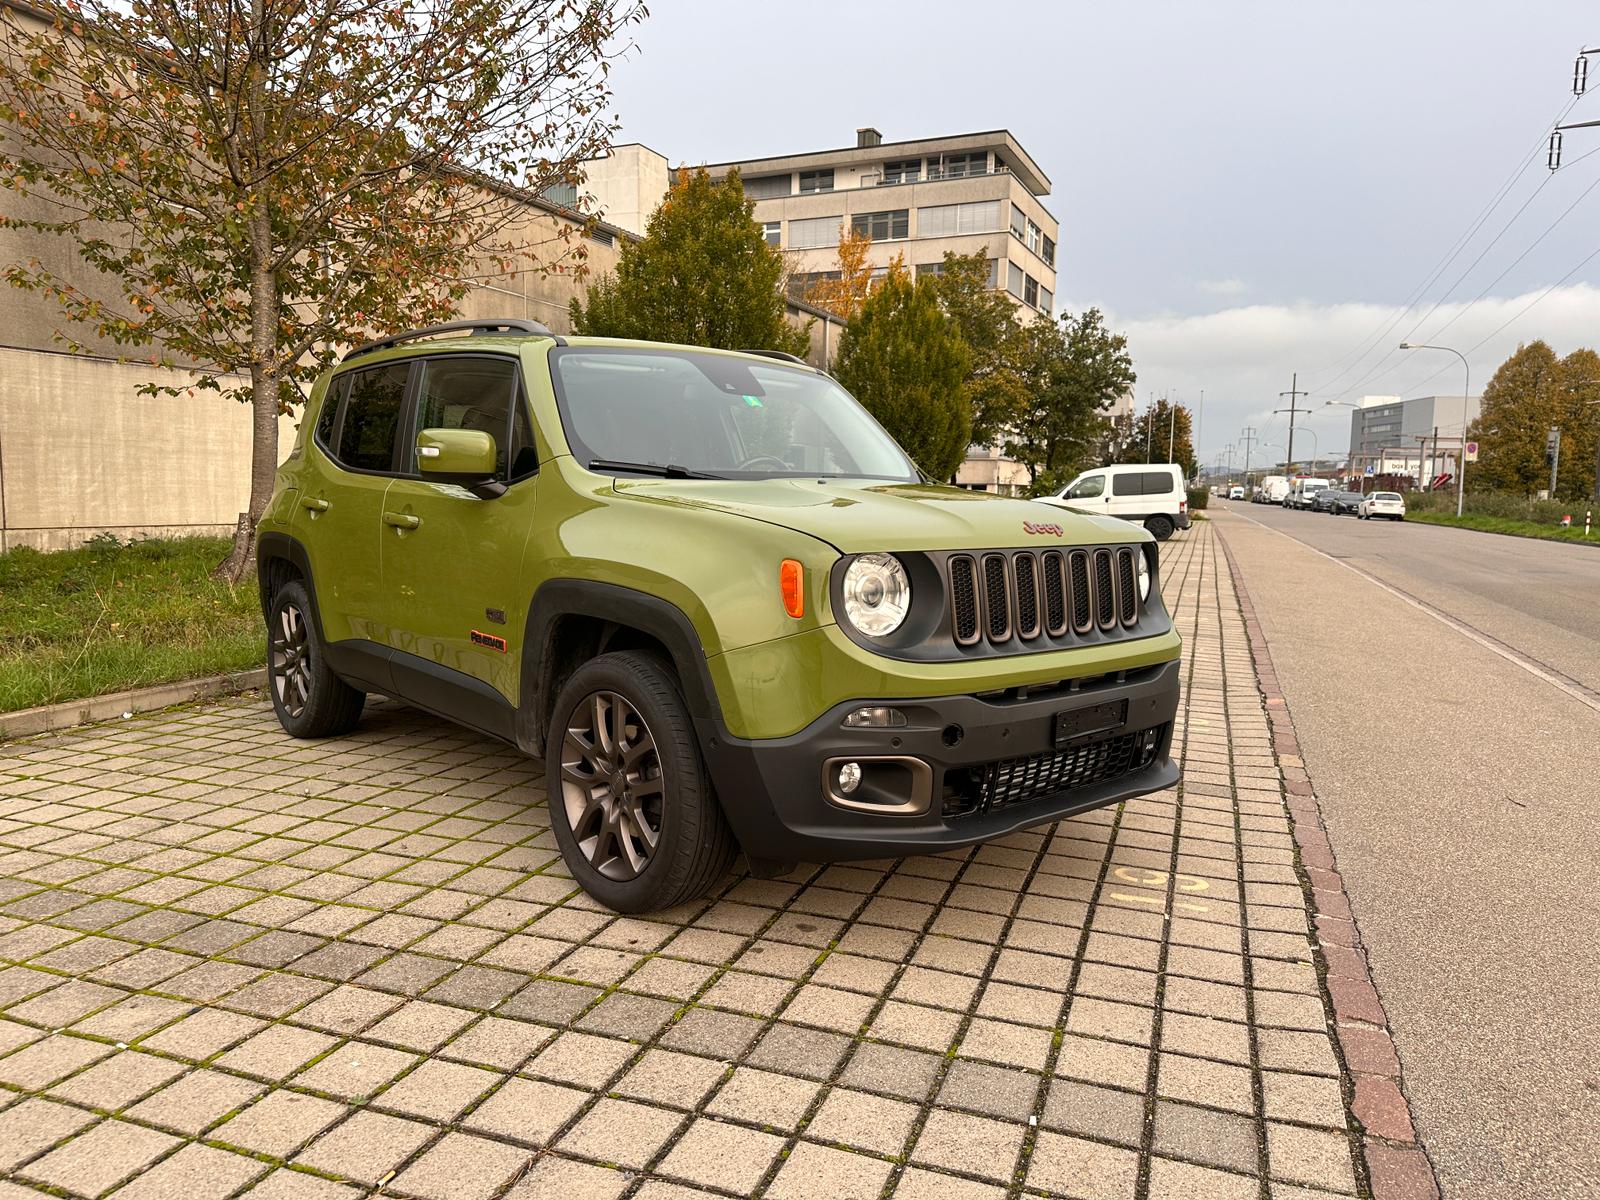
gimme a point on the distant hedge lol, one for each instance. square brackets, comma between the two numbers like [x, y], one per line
[1198, 498]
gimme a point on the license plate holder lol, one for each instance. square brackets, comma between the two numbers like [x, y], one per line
[1082, 722]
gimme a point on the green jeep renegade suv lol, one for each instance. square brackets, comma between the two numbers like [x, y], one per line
[714, 596]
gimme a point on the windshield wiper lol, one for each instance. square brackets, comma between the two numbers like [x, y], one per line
[670, 471]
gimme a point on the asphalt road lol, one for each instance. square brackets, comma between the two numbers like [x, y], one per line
[1444, 703]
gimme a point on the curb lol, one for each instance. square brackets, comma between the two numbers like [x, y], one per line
[1397, 1166]
[49, 718]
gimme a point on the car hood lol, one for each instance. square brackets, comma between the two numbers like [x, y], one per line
[856, 516]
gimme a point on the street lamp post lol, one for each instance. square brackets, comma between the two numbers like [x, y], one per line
[1352, 451]
[1466, 401]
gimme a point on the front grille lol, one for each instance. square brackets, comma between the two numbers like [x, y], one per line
[1127, 587]
[1027, 596]
[995, 599]
[1082, 613]
[1054, 567]
[964, 599]
[1105, 597]
[1014, 781]
[1014, 596]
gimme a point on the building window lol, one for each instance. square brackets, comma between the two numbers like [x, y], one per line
[773, 232]
[1014, 278]
[1046, 301]
[959, 166]
[1019, 223]
[937, 268]
[1030, 291]
[767, 187]
[564, 194]
[890, 226]
[816, 181]
[907, 170]
[950, 220]
[1049, 251]
[814, 233]
[801, 281]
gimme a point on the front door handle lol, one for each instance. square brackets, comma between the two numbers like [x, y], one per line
[401, 520]
[314, 504]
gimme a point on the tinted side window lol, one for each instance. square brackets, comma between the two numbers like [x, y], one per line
[1157, 483]
[328, 417]
[483, 393]
[1127, 483]
[372, 417]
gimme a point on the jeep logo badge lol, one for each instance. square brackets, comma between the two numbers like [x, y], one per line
[1053, 530]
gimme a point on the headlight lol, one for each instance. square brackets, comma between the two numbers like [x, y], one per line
[877, 594]
[1144, 577]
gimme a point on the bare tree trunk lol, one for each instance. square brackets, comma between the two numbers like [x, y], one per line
[264, 312]
[264, 382]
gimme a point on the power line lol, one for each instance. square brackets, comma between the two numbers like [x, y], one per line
[1385, 327]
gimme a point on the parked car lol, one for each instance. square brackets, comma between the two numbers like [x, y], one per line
[1324, 500]
[1151, 494]
[1302, 492]
[1236, 492]
[1346, 502]
[1391, 505]
[714, 596]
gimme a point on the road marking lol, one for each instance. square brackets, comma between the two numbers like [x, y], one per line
[1147, 878]
[1159, 902]
[1565, 683]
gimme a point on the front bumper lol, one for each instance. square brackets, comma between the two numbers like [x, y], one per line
[999, 775]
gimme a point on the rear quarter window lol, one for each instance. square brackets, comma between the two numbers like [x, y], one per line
[372, 407]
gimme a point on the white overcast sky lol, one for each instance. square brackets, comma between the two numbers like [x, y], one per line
[1249, 189]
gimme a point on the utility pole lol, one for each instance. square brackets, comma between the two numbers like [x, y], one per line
[1172, 429]
[1294, 393]
[1148, 414]
[1249, 435]
[1552, 454]
[1433, 474]
[1200, 417]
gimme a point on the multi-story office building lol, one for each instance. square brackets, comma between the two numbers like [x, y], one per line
[917, 198]
[1428, 430]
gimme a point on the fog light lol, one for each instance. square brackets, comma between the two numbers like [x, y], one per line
[877, 717]
[849, 778]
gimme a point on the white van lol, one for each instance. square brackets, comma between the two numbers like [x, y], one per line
[1303, 491]
[1149, 493]
[1273, 489]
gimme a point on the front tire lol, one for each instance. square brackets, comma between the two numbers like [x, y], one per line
[310, 700]
[631, 802]
[1160, 527]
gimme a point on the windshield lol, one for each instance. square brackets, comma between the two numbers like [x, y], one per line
[715, 415]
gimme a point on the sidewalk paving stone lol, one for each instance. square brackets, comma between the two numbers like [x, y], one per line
[231, 963]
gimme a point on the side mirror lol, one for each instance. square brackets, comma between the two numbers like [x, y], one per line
[463, 456]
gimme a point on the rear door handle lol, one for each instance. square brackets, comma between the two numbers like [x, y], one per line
[401, 520]
[314, 504]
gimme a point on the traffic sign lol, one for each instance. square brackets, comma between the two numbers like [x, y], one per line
[1472, 451]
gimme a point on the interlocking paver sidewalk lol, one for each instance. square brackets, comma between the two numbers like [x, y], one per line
[232, 964]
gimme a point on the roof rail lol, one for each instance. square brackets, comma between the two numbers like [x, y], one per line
[780, 355]
[478, 328]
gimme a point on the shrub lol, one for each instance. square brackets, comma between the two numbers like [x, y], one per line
[1198, 498]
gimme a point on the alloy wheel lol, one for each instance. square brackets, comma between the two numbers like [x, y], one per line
[290, 660]
[611, 785]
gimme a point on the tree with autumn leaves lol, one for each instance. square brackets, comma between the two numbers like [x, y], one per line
[1532, 392]
[256, 184]
[703, 274]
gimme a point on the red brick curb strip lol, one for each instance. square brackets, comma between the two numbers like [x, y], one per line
[1398, 1167]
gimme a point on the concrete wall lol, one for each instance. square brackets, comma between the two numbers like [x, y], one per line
[627, 185]
[81, 452]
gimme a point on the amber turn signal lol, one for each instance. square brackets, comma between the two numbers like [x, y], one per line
[792, 581]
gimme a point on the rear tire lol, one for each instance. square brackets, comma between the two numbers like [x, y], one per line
[310, 700]
[1160, 527]
[631, 802]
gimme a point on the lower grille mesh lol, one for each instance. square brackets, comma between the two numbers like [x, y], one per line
[1014, 781]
